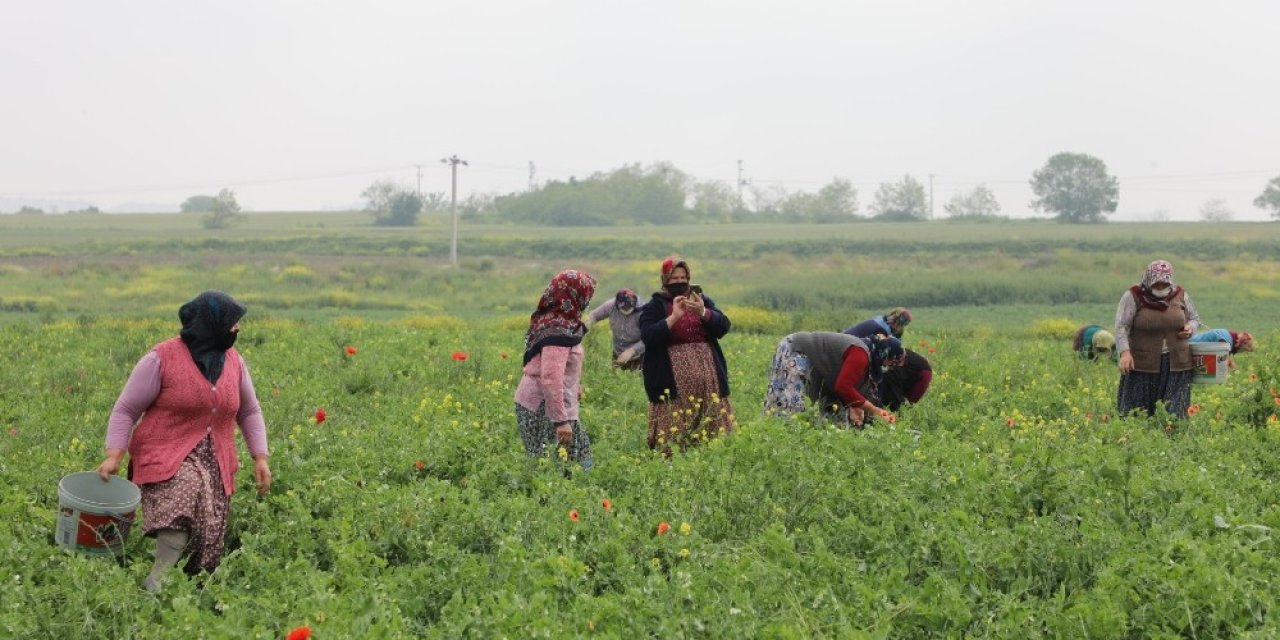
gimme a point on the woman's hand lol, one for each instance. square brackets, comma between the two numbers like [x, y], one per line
[111, 464]
[262, 474]
[694, 304]
[1126, 362]
[1186, 331]
[856, 416]
[564, 435]
[677, 310]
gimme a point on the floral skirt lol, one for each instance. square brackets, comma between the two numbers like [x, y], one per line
[1140, 391]
[699, 413]
[538, 435]
[194, 501]
[788, 385]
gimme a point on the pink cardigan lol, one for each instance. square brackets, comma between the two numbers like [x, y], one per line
[179, 408]
[552, 376]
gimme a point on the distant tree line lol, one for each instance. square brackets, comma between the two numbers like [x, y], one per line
[1073, 188]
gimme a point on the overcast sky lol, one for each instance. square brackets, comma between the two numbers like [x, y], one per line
[300, 105]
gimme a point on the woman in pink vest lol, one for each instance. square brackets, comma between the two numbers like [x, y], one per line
[190, 392]
[1154, 320]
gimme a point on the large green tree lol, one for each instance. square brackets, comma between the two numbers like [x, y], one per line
[901, 201]
[1270, 198]
[1076, 188]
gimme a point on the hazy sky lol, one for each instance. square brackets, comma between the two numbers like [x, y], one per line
[300, 105]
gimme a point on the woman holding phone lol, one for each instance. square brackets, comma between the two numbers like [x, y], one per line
[685, 375]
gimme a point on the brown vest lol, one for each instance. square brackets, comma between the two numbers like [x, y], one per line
[1151, 329]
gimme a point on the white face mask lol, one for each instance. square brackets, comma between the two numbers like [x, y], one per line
[1161, 293]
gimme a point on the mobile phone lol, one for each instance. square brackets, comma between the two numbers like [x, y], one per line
[695, 289]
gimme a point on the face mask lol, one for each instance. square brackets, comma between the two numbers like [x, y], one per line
[228, 340]
[884, 368]
[626, 311]
[678, 288]
[1161, 293]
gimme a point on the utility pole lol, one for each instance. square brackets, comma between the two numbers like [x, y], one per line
[532, 172]
[419, 180]
[739, 183]
[453, 161]
[931, 196]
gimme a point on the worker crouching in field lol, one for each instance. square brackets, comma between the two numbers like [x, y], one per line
[624, 324]
[1092, 342]
[830, 369]
[893, 323]
[1239, 341]
[903, 384]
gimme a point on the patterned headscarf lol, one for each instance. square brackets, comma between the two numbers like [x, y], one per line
[206, 330]
[1158, 271]
[558, 318]
[670, 265]
[885, 350]
[898, 319]
[626, 298]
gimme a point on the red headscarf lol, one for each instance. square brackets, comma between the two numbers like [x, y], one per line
[670, 265]
[558, 318]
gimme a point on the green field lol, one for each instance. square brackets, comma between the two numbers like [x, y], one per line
[1010, 503]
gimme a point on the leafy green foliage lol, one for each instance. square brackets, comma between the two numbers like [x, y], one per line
[979, 205]
[901, 201]
[1011, 502]
[1270, 198]
[198, 204]
[223, 211]
[1076, 187]
[393, 205]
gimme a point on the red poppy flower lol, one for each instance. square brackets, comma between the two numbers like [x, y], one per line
[932, 350]
[663, 528]
[419, 465]
[13, 432]
[923, 343]
[608, 506]
[320, 415]
[301, 633]
[460, 356]
[1009, 422]
[503, 356]
[351, 351]
[573, 515]
[1193, 409]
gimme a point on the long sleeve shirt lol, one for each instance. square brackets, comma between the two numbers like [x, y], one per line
[1128, 307]
[852, 372]
[624, 326]
[142, 389]
[552, 377]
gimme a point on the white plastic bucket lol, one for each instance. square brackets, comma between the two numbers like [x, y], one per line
[1210, 362]
[94, 516]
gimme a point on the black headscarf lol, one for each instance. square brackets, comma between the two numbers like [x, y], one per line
[206, 329]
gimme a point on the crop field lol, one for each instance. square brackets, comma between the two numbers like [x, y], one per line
[1011, 502]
